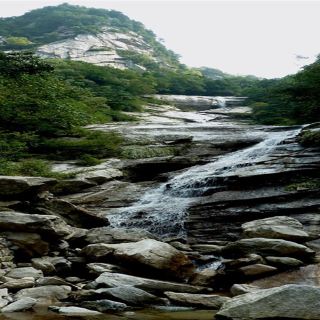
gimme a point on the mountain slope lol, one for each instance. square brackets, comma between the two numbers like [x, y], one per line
[98, 36]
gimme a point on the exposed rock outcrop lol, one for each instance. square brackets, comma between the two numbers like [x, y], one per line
[287, 302]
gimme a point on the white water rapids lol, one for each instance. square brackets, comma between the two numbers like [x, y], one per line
[163, 210]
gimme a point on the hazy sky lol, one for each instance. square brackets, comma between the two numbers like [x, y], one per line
[264, 38]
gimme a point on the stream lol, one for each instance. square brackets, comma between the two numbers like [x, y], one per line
[163, 209]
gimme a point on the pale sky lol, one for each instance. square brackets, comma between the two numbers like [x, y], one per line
[263, 38]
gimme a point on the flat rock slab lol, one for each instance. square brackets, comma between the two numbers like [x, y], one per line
[16, 186]
[104, 305]
[264, 246]
[287, 302]
[129, 295]
[110, 280]
[148, 253]
[17, 221]
[75, 311]
[117, 235]
[197, 300]
[49, 293]
[257, 270]
[20, 305]
[279, 227]
[23, 272]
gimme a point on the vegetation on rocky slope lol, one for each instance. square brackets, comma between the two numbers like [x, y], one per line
[294, 99]
[42, 114]
[64, 21]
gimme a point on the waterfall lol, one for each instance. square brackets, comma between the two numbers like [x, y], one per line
[163, 210]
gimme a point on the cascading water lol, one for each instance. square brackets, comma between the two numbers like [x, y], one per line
[163, 210]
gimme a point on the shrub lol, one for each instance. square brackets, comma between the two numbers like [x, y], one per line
[88, 160]
[94, 143]
[310, 138]
[31, 167]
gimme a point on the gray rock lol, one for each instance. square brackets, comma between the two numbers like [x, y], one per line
[75, 311]
[51, 281]
[104, 305]
[273, 221]
[288, 302]
[117, 280]
[263, 246]
[30, 243]
[257, 270]
[101, 175]
[23, 272]
[43, 224]
[51, 265]
[20, 305]
[197, 300]
[284, 262]
[204, 278]
[247, 260]
[117, 235]
[17, 284]
[238, 289]
[75, 216]
[4, 297]
[47, 293]
[99, 268]
[17, 186]
[280, 227]
[207, 248]
[129, 295]
[71, 186]
[44, 264]
[149, 253]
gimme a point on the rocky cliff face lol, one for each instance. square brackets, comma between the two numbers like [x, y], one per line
[102, 49]
[98, 36]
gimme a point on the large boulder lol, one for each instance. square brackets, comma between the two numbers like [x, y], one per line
[70, 186]
[73, 215]
[110, 280]
[256, 270]
[17, 187]
[129, 295]
[42, 224]
[269, 247]
[46, 293]
[104, 305]
[49, 265]
[151, 254]
[23, 272]
[280, 227]
[238, 289]
[17, 284]
[284, 262]
[117, 235]
[22, 304]
[211, 301]
[31, 244]
[100, 175]
[287, 302]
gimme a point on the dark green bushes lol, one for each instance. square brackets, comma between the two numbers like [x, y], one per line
[310, 138]
[94, 143]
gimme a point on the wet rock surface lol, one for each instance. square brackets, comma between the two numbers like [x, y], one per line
[209, 228]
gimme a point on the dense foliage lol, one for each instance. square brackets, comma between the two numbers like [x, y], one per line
[121, 89]
[292, 100]
[42, 113]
